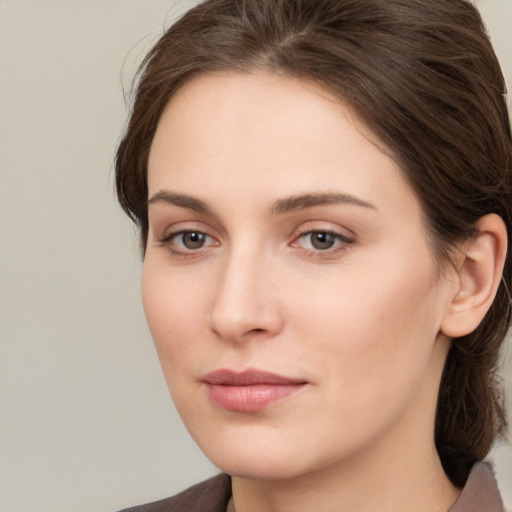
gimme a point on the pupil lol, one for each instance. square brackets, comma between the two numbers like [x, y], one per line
[322, 240]
[193, 240]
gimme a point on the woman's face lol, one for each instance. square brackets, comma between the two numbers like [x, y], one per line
[288, 282]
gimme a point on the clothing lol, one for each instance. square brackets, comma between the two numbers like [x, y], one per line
[480, 494]
[209, 496]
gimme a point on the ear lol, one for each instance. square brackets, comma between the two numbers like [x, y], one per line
[479, 268]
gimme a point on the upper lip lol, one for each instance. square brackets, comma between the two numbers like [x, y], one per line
[248, 377]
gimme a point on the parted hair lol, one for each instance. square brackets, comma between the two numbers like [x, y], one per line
[423, 76]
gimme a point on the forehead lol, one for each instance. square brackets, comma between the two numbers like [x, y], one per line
[263, 132]
[256, 103]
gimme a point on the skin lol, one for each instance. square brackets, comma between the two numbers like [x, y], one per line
[360, 322]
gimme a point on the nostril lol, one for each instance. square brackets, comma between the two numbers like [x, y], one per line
[257, 331]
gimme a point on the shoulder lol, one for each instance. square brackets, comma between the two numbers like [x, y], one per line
[209, 496]
[480, 494]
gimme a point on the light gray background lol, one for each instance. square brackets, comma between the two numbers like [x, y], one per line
[86, 423]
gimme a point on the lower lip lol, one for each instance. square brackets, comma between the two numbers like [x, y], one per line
[250, 398]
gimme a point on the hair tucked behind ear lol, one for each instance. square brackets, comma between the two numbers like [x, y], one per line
[423, 76]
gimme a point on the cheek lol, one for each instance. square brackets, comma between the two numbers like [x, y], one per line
[371, 350]
[372, 327]
[173, 306]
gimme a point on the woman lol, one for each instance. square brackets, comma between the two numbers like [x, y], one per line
[323, 190]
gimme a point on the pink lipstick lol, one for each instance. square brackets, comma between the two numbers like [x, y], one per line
[250, 390]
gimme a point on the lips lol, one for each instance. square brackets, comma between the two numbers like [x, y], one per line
[250, 390]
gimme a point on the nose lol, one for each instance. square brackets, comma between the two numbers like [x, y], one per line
[246, 304]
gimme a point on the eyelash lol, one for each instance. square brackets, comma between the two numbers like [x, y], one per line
[166, 241]
[341, 243]
[340, 240]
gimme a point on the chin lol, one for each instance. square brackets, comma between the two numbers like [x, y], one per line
[259, 467]
[249, 453]
[262, 453]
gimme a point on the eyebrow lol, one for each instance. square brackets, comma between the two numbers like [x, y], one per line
[182, 200]
[281, 206]
[303, 201]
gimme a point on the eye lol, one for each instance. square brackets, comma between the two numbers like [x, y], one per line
[321, 240]
[184, 241]
[191, 239]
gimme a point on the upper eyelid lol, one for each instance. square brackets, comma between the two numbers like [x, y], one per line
[174, 233]
[319, 226]
[306, 227]
[343, 238]
[323, 230]
[182, 226]
[165, 221]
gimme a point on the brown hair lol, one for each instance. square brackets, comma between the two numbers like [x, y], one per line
[423, 76]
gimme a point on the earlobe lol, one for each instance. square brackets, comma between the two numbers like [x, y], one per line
[479, 269]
